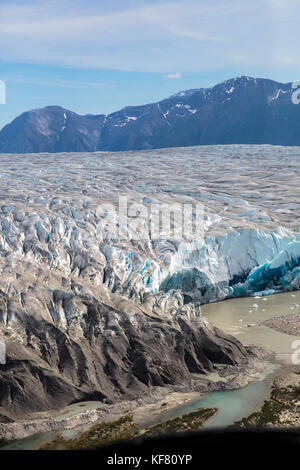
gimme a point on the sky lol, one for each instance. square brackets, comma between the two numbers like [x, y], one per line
[98, 56]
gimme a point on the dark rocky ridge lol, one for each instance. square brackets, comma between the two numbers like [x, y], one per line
[239, 111]
[108, 354]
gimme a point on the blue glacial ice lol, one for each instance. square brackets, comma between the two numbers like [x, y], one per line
[236, 264]
[280, 274]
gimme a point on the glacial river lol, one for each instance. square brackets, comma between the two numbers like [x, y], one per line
[241, 318]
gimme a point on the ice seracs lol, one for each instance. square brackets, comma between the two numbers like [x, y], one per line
[250, 246]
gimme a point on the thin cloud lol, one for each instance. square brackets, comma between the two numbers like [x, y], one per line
[57, 83]
[172, 76]
[147, 36]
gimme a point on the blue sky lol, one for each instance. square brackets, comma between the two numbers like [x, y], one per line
[99, 56]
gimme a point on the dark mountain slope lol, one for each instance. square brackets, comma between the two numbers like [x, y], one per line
[239, 111]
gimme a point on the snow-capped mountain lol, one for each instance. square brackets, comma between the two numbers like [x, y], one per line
[242, 110]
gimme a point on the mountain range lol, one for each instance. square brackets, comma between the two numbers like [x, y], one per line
[242, 110]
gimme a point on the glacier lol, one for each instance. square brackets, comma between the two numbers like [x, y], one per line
[86, 316]
[244, 263]
[50, 221]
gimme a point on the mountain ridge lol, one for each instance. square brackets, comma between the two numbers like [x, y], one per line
[243, 110]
